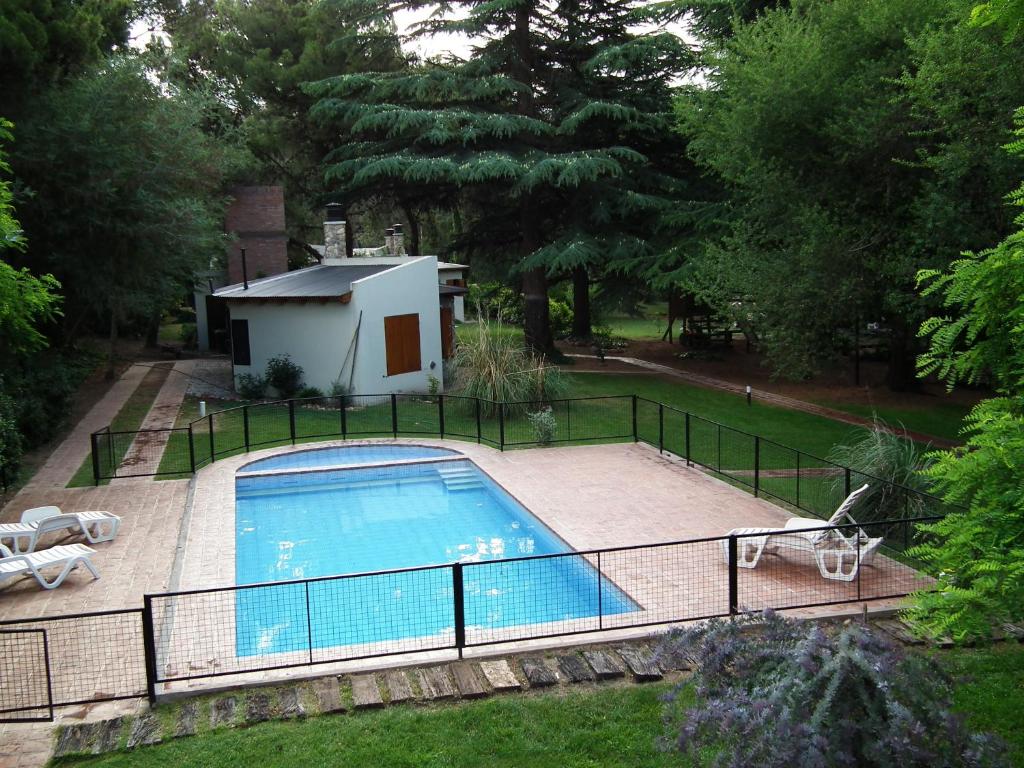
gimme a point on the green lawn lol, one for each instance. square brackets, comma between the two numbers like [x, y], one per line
[939, 419]
[128, 419]
[609, 727]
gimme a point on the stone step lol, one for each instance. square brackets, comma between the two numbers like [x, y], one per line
[640, 662]
[291, 703]
[188, 718]
[467, 681]
[257, 708]
[222, 711]
[575, 669]
[537, 672]
[435, 683]
[73, 739]
[365, 693]
[328, 695]
[399, 689]
[500, 675]
[145, 731]
[899, 631]
[604, 664]
[108, 734]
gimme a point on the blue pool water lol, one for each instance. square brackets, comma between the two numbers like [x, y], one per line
[347, 454]
[296, 526]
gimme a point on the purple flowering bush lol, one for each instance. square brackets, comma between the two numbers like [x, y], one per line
[774, 692]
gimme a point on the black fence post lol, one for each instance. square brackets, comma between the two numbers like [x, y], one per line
[635, 433]
[209, 424]
[734, 590]
[719, 467]
[291, 420]
[149, 645]
[344, 417]
[568, 421]
[440, 414]
[110, 452]
[309, 625]
[847, 482]
[394, 415]
[600, 596]
[460, 608]
[95, 459]
[757, 465]
[479, 434]
[687, 429]
[501, 426]
[661, 428]
[245, 425]
[798, 480]
[191, 449]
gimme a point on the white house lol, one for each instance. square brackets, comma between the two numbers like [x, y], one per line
[370, 328]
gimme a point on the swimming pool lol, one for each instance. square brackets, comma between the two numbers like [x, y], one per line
[354, 521]
[347, 454]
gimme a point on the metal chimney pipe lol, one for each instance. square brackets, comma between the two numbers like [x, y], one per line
[245, 272]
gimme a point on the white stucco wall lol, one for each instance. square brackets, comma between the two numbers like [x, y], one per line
[410, 288]
[317, 336]
[459, 303]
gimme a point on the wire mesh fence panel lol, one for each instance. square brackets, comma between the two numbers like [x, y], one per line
[705, 446]
[176, 458]
[778, 472]
[140, 454]
[381, 614]
[647, 421]
[368, 415]
[490, 422]
[418, 415]
[229, 433]
[673, 431]
[667, 583]
[102, 454]
[460, 417]
[24, 676]
[317, 418]
[737, 455]
[201, 442]
[532, 423]
[603, 418]
[820, 485]
[93, 657]
[269, 424]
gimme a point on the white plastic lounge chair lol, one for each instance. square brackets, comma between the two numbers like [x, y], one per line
[95, 526]
[70, 556]
[839, 553]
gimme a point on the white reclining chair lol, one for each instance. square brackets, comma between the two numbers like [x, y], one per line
[69, 556]
[24, 536]
[839, 553]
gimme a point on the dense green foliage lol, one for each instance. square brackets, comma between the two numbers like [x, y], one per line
[777, 692]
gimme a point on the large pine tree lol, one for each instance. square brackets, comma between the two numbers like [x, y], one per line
[553, 137]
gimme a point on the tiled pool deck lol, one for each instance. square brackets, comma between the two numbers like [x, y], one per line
[177, 536]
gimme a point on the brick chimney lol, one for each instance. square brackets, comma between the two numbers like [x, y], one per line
[398, 241]
[334, 232]
[256, 218]
[389, 241]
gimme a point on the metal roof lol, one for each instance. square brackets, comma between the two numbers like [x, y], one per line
[319, 282]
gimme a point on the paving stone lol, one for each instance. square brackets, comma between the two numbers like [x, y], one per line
[538, 674]
[108, 735]
[640, 662]
[1014, 632]
[328, 695]
[500, 675]
[223, 711]
[467, 681]
[188, 716]
[145, 730]
[291, 702]
[899, 631]
[365, 693]
[671, 660]
[73, 739]
[435, 683]
[605, 665]
[399, 690]
[257, 708]
[575, 669]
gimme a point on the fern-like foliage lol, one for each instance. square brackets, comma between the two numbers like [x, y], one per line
[776, 693]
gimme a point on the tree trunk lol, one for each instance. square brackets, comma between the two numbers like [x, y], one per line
[902, 373]
[536, 314]
[350, 242]
[153, 331]
[112, 353]
[580, 303]
[414, 231]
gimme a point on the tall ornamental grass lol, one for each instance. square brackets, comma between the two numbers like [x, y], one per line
[494, 366]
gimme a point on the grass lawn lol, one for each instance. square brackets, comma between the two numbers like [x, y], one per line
[607, 727]
[938, 419]
[128, 419]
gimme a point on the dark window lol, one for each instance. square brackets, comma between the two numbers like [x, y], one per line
[402, 343]
[240, 342]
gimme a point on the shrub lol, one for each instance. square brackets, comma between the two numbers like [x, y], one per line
[434, 384]
[494, 366]
[774, 692]
[560, 317]
[544, 425]
[338, 389]
[250, 386]
[494, 300]
[189, 335]
[284, 375]
[889, 455]
[310, 392]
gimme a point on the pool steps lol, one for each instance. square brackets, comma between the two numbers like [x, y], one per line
[459, 477]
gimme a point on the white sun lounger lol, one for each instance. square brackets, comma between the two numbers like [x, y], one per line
[95, 526]
[69, 556]
[838, 554]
